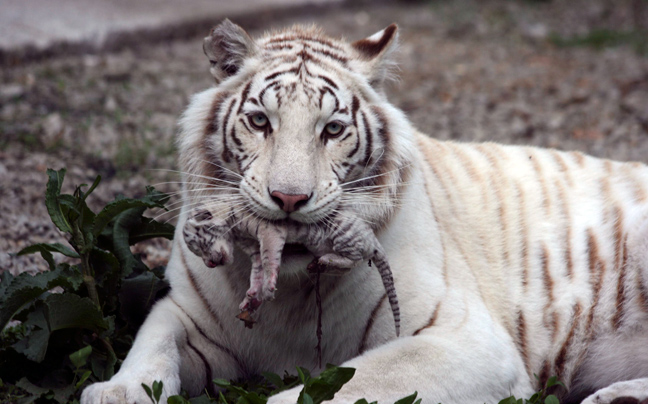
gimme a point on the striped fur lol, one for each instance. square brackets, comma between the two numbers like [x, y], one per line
[508, 261]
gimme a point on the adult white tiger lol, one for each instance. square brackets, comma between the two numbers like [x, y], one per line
[508, 261]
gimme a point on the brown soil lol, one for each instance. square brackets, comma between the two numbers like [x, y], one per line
[469, 71]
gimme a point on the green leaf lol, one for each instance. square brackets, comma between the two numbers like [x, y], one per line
[202, 400]
[137, 295]
[407, 400]
[61, 395]
[177, 400]
[34, 345]
[80, 357]
[362, 401]
[121, 244]
[157, 390]
[83, 379]
[57, 312]
[245, 397]
[222, 383]
[329, 382]
[508, 400]
[92, 187]
[306, 399]
[72, 311]
[148, 229]
[304, 375]
[52, 200]
[153, 199]
[103, 365]
[274, 378]
[551, 399]
[25, 288]
[47, 256]
[148, 391]
[54, 247]
[31, 388]
[551, 381]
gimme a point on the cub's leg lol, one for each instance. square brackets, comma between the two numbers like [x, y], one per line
[475, 363]
[637, 389]
[272, 238]
[155, 355]
[254, 294]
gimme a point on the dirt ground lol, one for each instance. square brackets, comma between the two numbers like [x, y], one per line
[469, 70]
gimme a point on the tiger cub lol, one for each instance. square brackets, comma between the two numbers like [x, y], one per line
[509, 261]
[338, 245]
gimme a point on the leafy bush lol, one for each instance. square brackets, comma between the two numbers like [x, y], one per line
[76, 322]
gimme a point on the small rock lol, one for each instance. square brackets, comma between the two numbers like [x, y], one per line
[53, 127]
[537, 31]
[361, 18]
[110, 105]
[10, 91]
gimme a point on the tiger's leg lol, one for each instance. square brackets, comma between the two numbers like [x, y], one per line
[155, 355]
[450, 365]
[632, 389]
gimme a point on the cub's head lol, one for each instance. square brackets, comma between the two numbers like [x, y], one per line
[297, 126]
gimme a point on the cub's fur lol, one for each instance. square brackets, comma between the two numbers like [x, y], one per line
[508, 261]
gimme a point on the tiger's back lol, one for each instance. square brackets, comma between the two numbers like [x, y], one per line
[556, 245]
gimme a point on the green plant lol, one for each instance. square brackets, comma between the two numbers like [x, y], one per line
[315, 391]
[154, 392]
[604, 38]
[75, 323]
[540, 397]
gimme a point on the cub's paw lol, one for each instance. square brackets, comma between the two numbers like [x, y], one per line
[331, 264]
[221, 252]
[208, 237]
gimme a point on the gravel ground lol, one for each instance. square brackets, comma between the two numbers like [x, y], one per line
[469, 70]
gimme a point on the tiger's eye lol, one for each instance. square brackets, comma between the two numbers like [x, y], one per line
[334, 129]
[258, 120]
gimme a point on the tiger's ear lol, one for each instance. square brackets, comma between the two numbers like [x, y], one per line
[374, 54]
[227, 46]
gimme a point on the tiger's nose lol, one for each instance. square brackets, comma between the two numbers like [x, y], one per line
[289, 203]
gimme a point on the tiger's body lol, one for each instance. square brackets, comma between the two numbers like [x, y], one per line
[508, 261]
[338, 245]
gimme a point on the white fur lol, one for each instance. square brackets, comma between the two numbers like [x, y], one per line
[491, 249]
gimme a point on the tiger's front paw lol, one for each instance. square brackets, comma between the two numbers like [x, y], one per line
[118, 392]
[626, 392]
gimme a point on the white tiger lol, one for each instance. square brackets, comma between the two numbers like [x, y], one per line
[508, 261]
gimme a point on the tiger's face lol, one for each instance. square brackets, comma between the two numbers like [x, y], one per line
[294, 128]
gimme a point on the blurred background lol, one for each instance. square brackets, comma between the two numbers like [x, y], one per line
[97, 86]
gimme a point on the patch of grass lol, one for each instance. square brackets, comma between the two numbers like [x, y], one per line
[604, 38]
[130, 156]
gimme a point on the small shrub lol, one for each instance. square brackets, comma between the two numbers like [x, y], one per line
[78, 333]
